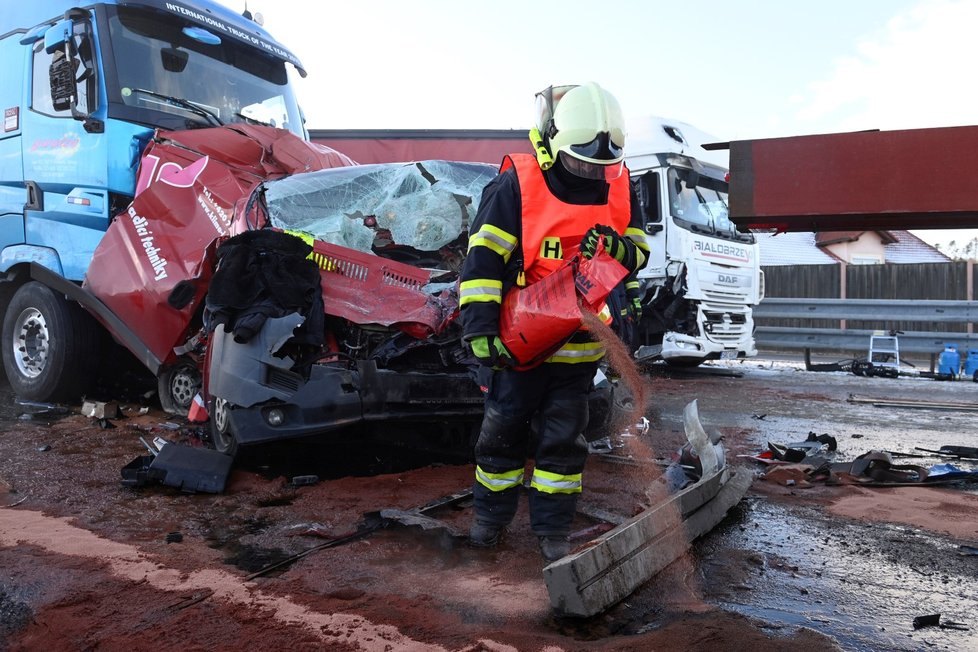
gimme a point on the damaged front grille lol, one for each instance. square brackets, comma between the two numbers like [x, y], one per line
[723, 326]
[283, 380]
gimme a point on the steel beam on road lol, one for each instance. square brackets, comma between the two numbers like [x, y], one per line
[907, 179]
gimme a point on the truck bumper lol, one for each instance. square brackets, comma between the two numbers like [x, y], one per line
[679, 346]
[333, 399]
[269, 402]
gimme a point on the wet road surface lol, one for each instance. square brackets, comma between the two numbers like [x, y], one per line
[782, 560]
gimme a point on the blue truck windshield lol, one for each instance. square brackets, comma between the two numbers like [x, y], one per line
[166, 75]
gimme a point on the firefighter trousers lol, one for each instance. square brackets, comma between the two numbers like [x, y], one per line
[540, 414]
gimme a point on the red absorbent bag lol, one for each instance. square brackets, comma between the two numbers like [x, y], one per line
[537, 320]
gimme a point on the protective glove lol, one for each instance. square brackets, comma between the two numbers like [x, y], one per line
[637, 309]
[491, 352]
[634, 297]
[620, 248]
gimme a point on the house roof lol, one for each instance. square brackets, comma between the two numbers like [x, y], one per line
[800, 248]
[910, 249]
[794, 248]
[824, 238]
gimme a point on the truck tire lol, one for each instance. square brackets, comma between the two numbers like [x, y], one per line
[50, 345]
[178, 384]
[221, 433]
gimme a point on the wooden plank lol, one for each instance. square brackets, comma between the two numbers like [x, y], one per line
[615, 564]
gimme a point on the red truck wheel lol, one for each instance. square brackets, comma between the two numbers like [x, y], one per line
[50, 345]
[178, 385]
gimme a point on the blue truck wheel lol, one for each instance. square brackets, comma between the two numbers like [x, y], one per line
[50, 345]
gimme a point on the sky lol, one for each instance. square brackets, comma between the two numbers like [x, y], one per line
[736, 69]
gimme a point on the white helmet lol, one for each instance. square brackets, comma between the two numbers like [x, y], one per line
[583, 127]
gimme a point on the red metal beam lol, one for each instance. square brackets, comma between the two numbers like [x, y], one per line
[911, 179]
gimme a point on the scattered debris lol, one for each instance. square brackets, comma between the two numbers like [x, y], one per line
[34, 408]
[963, 452]
[174, 537]
[607, 569]
[186, 468]
[815, 457]
[934, 620]
[190, 600]
[101, 410]
[44, 449]
[910, 403]
[304, 480]
[968, 551]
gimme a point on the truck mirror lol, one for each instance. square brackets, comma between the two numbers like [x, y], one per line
[174, 60]
[61, 75]
[56, 37]
[34, 35]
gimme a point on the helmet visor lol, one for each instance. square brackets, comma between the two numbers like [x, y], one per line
[601, 148]
[587, 170]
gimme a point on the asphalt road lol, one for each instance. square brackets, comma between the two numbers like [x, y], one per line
[782, 562]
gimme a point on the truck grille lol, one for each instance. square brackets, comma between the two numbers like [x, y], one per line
[725, 296]
[725, 326]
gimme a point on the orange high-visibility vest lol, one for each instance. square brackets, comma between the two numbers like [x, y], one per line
[552, 229]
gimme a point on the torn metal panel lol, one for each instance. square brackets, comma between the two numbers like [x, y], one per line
[192, 186]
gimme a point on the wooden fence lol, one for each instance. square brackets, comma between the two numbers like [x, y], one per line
[955, 281]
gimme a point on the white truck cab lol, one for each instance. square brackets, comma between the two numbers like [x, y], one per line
[703, 276]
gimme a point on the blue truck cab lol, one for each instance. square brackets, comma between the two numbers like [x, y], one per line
[83, 90]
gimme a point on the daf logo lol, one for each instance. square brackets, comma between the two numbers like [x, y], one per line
[727, 279]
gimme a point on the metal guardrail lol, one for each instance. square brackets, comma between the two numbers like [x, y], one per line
[773, 337]
[903, 310]
[945, 312]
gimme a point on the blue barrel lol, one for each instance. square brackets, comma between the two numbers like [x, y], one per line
[950, 361]
[971, 363]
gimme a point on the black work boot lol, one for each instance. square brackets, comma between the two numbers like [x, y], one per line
[484, 536]
[553, 548]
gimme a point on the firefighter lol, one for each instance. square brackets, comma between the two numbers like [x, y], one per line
[575, 189]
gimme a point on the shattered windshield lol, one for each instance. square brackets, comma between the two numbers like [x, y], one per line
[170, 74]
[699, 203]
[424, 206]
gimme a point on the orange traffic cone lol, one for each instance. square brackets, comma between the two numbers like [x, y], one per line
[198, 411]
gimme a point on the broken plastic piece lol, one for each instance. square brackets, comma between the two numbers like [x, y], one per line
[642, 427]
[598, 446]
[929, 620]
[183, 467]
